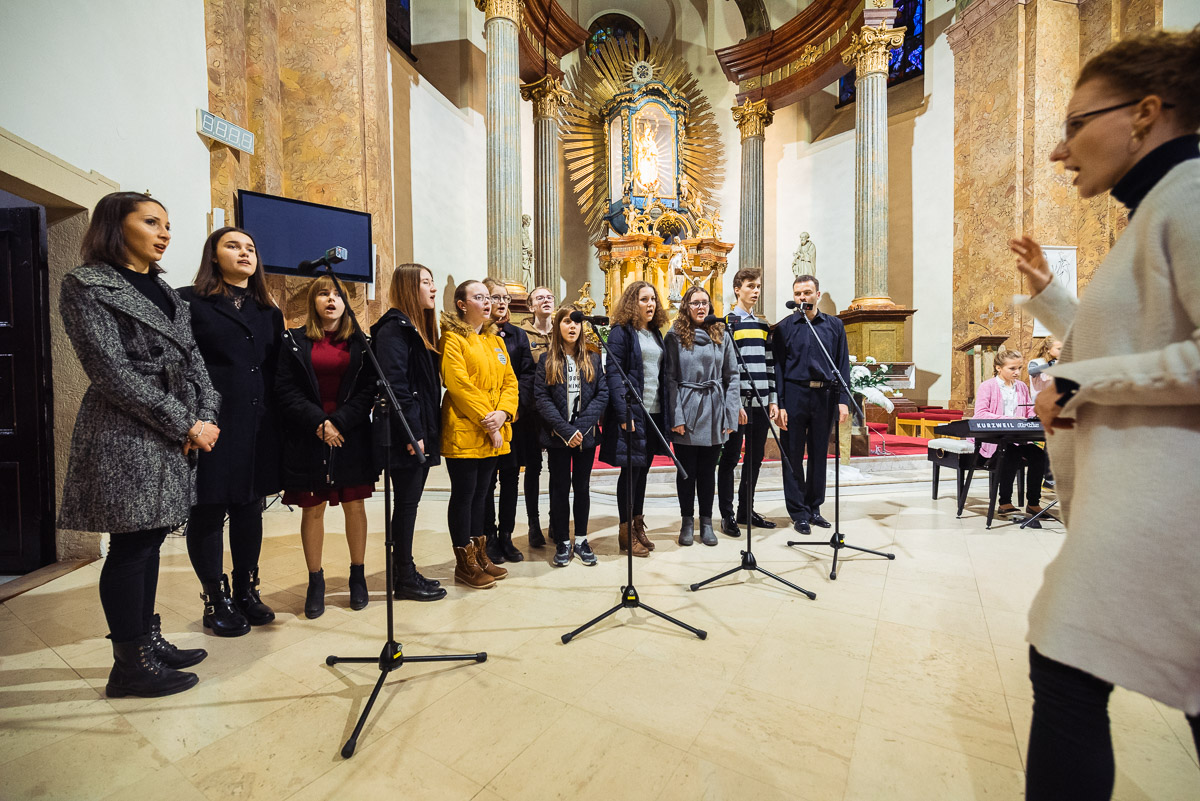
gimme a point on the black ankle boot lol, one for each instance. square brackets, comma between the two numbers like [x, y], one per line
[493, 549]
[246, 597]
[168, 654]
[511, 554]
[137, 672]
[358, 588]
[412, 586]
[314, 599]
[536, 538]
[220, 614]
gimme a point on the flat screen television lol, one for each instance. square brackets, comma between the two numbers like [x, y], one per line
[288, 232]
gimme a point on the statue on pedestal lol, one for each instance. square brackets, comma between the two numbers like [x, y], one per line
[804, 261]
[527, 251]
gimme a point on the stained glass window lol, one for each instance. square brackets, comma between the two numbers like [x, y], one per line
[907, 60]
[399, 25]
[610, 26]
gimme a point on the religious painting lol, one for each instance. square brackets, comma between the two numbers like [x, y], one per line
[1063, 264]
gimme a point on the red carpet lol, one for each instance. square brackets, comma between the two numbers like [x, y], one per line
[896, 446]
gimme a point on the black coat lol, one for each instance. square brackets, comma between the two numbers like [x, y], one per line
[241, 350]
[623, 346]
[412, 370]
[526, 426]
[557, 428]
[309, 465]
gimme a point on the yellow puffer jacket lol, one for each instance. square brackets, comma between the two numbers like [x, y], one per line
[479, 381]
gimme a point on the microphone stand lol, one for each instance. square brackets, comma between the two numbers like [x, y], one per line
[392, 656]
[747, 490]
[629, 594]
[837, 541]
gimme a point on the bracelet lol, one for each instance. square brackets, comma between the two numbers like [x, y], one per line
[199, 433]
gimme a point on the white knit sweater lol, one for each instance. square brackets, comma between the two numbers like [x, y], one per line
[1122, 598]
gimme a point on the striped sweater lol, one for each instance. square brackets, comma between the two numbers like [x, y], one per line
[752, 336]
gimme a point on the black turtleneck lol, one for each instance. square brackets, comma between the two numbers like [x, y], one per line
[1142, 177]
[147, 284]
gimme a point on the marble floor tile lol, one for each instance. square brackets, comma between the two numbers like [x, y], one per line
[697, 778]
[945, 659]
[813, 677]
[1007, 628]
[919, 611]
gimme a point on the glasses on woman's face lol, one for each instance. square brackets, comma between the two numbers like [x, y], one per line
[481, 298]
[698, 304]
[501, 299]
[1074, 124]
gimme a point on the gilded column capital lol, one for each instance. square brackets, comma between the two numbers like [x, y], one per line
[752, 118]
[547, 94]
[507, 9]
[868, 50]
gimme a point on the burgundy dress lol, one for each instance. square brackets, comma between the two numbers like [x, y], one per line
[329, 360]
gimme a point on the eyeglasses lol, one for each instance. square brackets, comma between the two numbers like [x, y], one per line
[480, 298]
[698, 304]
[543, 298]
[501, 298]
[1073, 125]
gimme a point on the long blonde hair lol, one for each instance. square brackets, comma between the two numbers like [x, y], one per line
[556, 354]
[405, 297]
[313, 329]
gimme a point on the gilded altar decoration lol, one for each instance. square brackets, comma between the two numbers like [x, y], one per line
[547, 95]
[508, 9]
[643, 154]
[752, 118]
[870, 47]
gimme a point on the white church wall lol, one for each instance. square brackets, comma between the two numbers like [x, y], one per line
[1180, 15]
[115, 89]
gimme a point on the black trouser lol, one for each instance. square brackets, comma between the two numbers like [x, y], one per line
[129, 581]
[1070, 744]
[1034, 458]
[507, 475]
[204, 542]
[569, 468]
[407, 485]
[468, 497]
[809, 423]
[700, 463]
[732, 452]
[533, 481]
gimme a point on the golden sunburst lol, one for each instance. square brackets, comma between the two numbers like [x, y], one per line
[593, 84]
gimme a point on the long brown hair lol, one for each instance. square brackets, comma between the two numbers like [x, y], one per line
[313, 327]
[104, 241]
[491, 284]
[685, 328]
[556, 352]
[405, 297]
[208, 279]
[628, 313]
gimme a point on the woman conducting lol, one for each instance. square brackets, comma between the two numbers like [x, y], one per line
[571, 395]
[635, 343]
[150, 406]
[325, 393]
[704, 396]
[1119, 604]
[238, 328]
[477, 411]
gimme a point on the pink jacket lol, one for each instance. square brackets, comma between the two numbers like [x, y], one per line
[989, 403]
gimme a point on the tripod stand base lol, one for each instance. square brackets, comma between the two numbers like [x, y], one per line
[837, 543]
[390, 658]
[750, 563]
[630, 600]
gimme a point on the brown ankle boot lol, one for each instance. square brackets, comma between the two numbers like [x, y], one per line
[467, 570]
[639, 531]
[485, 562]
[624, 541]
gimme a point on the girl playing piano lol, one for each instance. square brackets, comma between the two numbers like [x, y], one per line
[1006, 396]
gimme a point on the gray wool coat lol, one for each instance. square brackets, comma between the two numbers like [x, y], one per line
[703, 388]
[127, 471]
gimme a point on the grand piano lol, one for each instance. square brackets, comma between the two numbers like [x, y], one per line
[965, 461]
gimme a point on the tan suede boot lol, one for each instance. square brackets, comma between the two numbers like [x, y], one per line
[485, 562]
[624, 541]
[467, 570]
[639, 531]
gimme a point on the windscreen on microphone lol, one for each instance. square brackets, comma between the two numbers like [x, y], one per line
[791, 304]
[712, 319]
[579, 317]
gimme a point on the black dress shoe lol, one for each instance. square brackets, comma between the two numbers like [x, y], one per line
[729, 526]
[817, 520]
[802, 527]
[412, 586]
[758, 520]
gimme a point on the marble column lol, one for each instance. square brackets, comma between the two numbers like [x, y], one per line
[503, 138]
[868, 54]
[548, 98]
[752, 118]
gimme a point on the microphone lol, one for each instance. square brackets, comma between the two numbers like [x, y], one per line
[981, 325]
[730, 319]
[791, 304]
[579, 317]
[1038, 369]
[332, 256]
[712, 319]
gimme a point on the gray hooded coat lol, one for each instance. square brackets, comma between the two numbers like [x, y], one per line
[703, 389]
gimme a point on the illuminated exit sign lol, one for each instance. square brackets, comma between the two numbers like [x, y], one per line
[212, 126]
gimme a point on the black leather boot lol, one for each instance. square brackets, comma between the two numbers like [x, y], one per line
[359, 597]
[314, 599]
[220, 614]
[493, 549]
[246, 598]
[412, 586]
[168, 654]
[137, 672]
[536, 538]
[511, 554]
